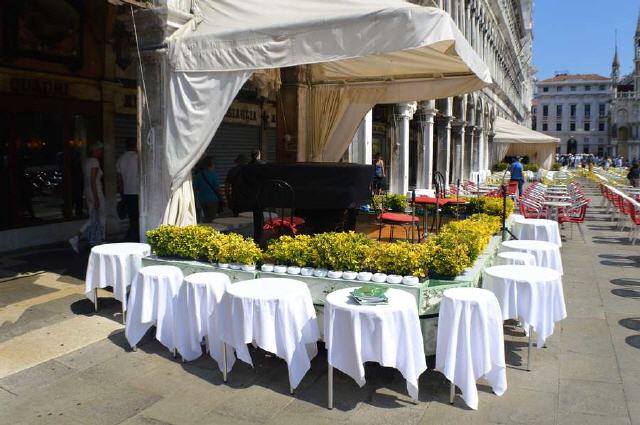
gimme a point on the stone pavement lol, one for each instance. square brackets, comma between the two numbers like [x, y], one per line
[62, 363]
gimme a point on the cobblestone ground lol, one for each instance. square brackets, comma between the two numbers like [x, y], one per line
[60, 362]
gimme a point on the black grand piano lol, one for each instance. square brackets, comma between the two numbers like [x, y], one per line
[326, 195]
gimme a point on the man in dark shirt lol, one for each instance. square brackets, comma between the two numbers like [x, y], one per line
[516, 174]
[232, 174]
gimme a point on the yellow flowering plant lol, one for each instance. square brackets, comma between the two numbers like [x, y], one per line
[291, 251]
[340, 251]
[401, 258]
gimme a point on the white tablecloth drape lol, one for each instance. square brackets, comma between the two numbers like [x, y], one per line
[387, 334]
[152, 302]
[547, 253]
[197, 300]
[533, 294]
[516, 258]
[277, 314]
[115, 265]
[470, 342]
[537, 229]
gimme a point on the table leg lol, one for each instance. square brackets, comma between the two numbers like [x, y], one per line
[529, 350]
[452, 393]
[330, 387]
[124, 314]
[224, 362]
[95, 297]
[290, 389]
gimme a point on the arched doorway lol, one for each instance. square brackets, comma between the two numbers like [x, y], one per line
[572, 146]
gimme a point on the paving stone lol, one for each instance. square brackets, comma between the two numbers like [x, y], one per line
[254, 404]
[596, 398]
[518, 406]
[589, 368]
[93, 354]
[583, 419]
[41, 375]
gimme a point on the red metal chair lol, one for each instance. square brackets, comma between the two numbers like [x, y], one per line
[393, 219]
[635, 219]
[575, 215]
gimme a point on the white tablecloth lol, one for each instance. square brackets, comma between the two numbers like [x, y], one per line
[547, 253]
[533, 294]
[515, 258]
[198, 299]
[152, 302]
[115, 265]
[537, 229]
[470, 342]
[278, 315]
[387, 334]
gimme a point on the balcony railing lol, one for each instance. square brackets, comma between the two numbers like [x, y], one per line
[628, 95]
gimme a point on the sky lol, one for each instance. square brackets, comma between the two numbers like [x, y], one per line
[578, 35]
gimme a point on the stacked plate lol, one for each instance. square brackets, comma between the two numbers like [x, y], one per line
[370, 295]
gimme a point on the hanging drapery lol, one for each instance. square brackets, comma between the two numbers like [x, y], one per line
[352, 41]
[329, 103]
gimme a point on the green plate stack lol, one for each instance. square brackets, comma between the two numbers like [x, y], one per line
[370, 295]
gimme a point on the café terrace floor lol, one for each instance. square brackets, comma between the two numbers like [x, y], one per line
[61, 363]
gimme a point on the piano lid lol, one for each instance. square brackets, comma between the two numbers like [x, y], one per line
[317, 185]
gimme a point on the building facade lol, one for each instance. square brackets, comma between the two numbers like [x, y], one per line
[625, 105]
[453, 136]
[575, 109]
[67, 80]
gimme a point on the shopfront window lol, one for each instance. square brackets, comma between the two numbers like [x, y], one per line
[41, 169]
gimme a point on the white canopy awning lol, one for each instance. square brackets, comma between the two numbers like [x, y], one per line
[509, 132]
[360, 52]
[514, 139]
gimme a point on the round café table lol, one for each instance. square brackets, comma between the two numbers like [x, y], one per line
[547, 253]
[556, 205]
[428, 200]
[537, 229]
[115, 265]
[275, 313]
[470, 342]
[514, 258]
[528, 293]
[388, 334]
[198, 299]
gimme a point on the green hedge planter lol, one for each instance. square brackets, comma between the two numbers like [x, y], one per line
[427, 293]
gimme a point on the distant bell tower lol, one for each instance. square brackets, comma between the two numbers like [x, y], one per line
[615, 69]
[636, 43]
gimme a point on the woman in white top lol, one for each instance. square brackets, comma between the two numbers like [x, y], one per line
[94, 229]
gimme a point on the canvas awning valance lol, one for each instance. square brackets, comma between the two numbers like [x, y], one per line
[513, 139]
[509, 132]
[360, 52]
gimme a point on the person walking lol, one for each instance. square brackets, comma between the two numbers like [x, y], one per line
[94, 229]
[256, 157]
[379, 174]
[129, 187]
[207, 188]
[634, 175]
[516, 174]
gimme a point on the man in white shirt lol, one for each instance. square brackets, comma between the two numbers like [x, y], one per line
[129, 186]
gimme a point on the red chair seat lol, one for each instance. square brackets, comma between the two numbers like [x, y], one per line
[398, 218]
[297, 221]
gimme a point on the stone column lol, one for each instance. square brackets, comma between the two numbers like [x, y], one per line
[425, 149]
[109, 159]
[400, 156]
[481, 150]
[469, 149]
[154, 26]
[444, 146]
[459, 154]
[360, 149]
